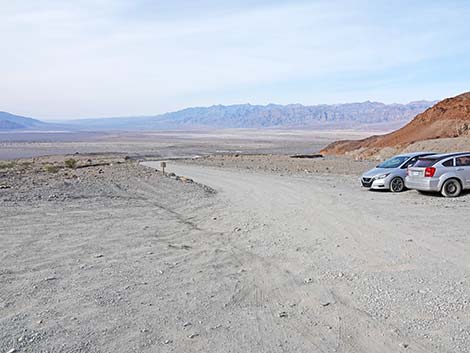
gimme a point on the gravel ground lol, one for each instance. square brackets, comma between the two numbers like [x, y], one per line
[113, 256]
[282, 164]
[96, 259]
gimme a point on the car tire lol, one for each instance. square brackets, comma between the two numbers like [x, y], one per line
[451, 188]
[397, 184]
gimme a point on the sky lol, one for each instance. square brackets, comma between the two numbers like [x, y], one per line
[83, 58]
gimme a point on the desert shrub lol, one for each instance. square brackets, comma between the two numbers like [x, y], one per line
[6, 165]
[71, 163]
[49, 168]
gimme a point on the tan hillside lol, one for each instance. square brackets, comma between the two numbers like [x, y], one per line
[447, 119]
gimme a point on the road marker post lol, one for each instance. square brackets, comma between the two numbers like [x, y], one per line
[163, 165]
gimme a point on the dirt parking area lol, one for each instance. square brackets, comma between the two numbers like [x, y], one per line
[112, 256]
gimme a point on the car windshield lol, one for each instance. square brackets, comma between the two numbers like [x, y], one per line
[394, 162]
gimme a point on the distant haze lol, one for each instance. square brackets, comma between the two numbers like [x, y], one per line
[338, 116]
[84, 58]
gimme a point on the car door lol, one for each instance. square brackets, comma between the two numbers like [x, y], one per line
[408, 164]
[462, 168]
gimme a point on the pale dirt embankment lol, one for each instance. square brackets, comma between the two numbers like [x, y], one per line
[118, 258]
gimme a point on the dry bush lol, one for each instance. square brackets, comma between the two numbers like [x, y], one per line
[49, 168]
[71, 163]
[7, 165]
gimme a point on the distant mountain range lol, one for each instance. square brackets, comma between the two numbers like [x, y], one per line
[340, 116]
[15, 122]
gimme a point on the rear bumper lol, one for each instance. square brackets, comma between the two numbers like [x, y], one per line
[422, 184]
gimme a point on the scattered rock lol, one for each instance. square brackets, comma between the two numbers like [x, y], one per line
[186, 324]
[51, 278]
[13, 350]
[305, 156]
[182, 247]
[404, 345]
[283, 314]
[186, 180]
[193, 335]
[308, 280]
[98, 256]
[325, 303]
[167, 341]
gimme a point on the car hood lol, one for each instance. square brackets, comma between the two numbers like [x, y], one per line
[376, 172]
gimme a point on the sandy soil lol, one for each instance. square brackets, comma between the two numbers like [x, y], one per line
[119, 258]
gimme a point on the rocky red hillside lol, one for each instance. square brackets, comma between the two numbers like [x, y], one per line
[448, 118]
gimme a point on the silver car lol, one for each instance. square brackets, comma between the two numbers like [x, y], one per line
[447, 173]
[390, 175]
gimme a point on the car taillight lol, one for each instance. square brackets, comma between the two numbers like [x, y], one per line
[429, 172]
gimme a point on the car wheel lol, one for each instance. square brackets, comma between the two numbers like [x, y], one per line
[451, 188]
[397, 185]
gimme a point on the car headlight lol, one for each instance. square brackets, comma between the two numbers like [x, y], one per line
[382, 176]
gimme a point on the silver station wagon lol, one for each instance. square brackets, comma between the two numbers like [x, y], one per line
[390, 175]
[447, 173]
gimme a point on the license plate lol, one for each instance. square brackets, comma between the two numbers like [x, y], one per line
[415, 173]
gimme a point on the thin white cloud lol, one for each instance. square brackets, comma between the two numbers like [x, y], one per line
[88, 58]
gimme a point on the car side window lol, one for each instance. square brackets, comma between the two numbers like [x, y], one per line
[449, 163]
[410, 163]
[463, 161]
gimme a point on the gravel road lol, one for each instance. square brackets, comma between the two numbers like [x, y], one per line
[328, 267]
